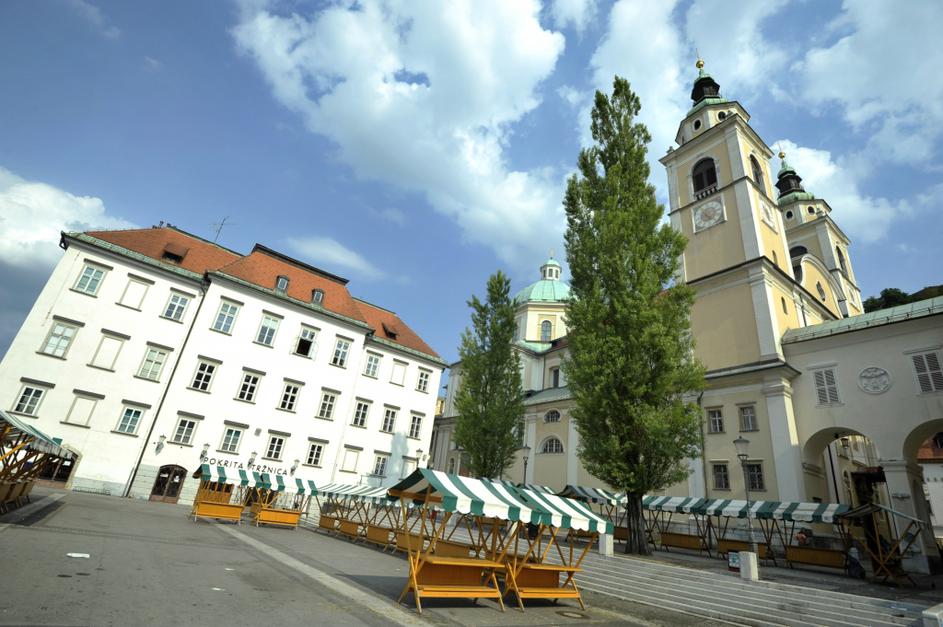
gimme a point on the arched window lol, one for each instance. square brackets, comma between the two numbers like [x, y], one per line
[757, 173]
[552, 416]
[797, 251]
[820, 290]
[797, 270]
[705, 177]
[546, 330]
[551, 445]
[451, 470]
[841, 260]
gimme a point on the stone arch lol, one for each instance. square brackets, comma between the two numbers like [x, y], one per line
[815, 445]
[917, 436]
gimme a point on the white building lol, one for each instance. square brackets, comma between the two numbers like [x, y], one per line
[151, 350]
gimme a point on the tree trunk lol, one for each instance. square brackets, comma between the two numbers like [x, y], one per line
[637, 542]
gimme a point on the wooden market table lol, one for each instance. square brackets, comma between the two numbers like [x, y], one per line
[442, 576]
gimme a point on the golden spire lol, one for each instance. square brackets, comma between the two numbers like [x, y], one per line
[700, 62]
[782, 154]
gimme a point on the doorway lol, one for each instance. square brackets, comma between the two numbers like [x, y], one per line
[168, 483]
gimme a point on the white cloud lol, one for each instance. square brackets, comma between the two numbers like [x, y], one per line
[331, 253]
[94, 16]
[882, 74]
[32, 215]
[423, 96]
[572, 96]
[864, 218]
[390, 214]
[151, 64]
[575, 13]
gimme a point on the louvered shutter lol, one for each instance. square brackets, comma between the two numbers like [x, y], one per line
[820, 388]
[830, 387]
[929, 373]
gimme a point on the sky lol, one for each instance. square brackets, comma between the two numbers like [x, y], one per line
[416, 147]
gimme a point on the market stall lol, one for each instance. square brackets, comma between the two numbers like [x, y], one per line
[223, 492]
[537, 573]
[662, 510]
[437, 575]
[282, 500]
[358, 512]
[609, 505]
[886, 536]
[24, 450]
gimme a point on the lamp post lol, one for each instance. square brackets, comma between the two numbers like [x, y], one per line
[743, 446]
[526, 450]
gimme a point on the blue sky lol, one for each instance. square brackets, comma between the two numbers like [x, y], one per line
[416, 147]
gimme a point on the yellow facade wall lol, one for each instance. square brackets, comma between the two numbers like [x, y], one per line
[723, 323]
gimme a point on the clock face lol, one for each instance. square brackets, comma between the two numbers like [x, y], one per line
[708, 214]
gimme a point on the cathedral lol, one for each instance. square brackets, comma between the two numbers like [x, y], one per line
[832, 404]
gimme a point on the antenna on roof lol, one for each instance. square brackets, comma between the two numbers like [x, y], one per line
[219, 227]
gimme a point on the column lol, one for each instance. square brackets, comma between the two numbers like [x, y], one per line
[787, 454]
[572, 460]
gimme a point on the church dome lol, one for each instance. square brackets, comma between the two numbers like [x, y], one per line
[549, 289]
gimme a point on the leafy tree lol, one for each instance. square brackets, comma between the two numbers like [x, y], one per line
[630, 361]
[490, 399]
[892, 296]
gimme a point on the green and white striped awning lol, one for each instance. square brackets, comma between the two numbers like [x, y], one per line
[536, 488]
[592, 495]
[679, 504]
[466, 495]
[19, 431]
[803, 512]
[733, 508]
[355, 491]
[230, 476]
[565, 513]
[289, 484]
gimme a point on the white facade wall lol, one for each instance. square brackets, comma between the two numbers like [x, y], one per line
[107, 458]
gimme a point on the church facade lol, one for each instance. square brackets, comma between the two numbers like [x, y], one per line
[835, 403]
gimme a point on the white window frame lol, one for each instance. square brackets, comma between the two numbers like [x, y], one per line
[204, 374]
[194, 423]
[415, 425]
[20, 407]
[713, 420]
[124, 294]
[306, 334]
[107, 336]
[318, 457]
[931, 362]
[91, 412]
[350, 453]
[823, 388]
[380, 463]
[726, 474]
[744, 410]
[328, 404]
[268, 329]
[549, 418]
[546, 325]
[290, 393]
[371, 367]
[547, 443]
[56, 346]
[399, 367]
[423, 379]
[226, 443]
[341, 352]
[174, 309]
[359, 420]
[389, 419]
[142, 374]
[122, 426]
[280, 448]
[253, 387]
[101, 279]
[231, 314]
[748, 477]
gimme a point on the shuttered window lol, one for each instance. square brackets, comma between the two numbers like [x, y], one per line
[929, 373]
[826, 387]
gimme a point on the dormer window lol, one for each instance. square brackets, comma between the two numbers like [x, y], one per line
[390, 331]
[317, 296]
[174, 253]
[281, 284]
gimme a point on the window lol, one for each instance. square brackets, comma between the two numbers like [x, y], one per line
[83, 406]
[704, 176]
[551, 445]
[153, 363]
[326, 411]
[715, 420]
[289, 397]
[130, 418]
[184, 432]
[176, 306]
[248, 387]
[721, 476]
[555, 377]
[315, 452]
[789, 215]
[928, 371]
[399, 373]
[107, 352]
[275, 445]
[372, 367]
[90, 280]
[797, 270]
[748, 418]
[379, 465]
[267, 329]
[226, 317]
[775, 258]
[59, 338]
[552, 416]
[317, 296]
[697, 124]
[811, 210]
[451, 469]
[422, 383]
[306, 341]
[203, 376]
[231, 438]
[281, 284]
[351, 459]
[826, 387]
[134, 293]
[841, 259]
[29, 400]
[360, 414]
[754, 472]
[415, 427]
[757, 173]
[546, 330]
[389, 420]
[783, 301]
[341, 348]
[820, 290]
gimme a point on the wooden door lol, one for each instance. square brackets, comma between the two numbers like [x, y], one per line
[168, 483]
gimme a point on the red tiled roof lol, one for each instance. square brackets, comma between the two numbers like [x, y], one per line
[262, 267]
[386, 323]
[200, 255]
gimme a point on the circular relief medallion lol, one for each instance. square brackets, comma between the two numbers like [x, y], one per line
[874, 380]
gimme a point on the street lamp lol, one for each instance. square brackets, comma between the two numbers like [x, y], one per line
[526, 450]
[743, 446]
[418, 458]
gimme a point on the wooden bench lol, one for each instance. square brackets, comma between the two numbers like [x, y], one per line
[682, 541]
[440, 576]
[448, 548]
[350, 528]
[620, 533]
[382, 536]
[328, 523]
[214, 509]
[275, 516]
[726, 546]
[408, 541]
[829, 558]
[532, 580]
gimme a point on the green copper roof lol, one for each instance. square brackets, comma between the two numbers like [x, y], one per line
[920, 309]
[793, 197]
[545, 291]
[552, 262]
[706, 102]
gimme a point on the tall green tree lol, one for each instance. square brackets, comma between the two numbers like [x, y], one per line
[490, 398]
[630, 364]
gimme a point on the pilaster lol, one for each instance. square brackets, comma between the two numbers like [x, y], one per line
[787, 455]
